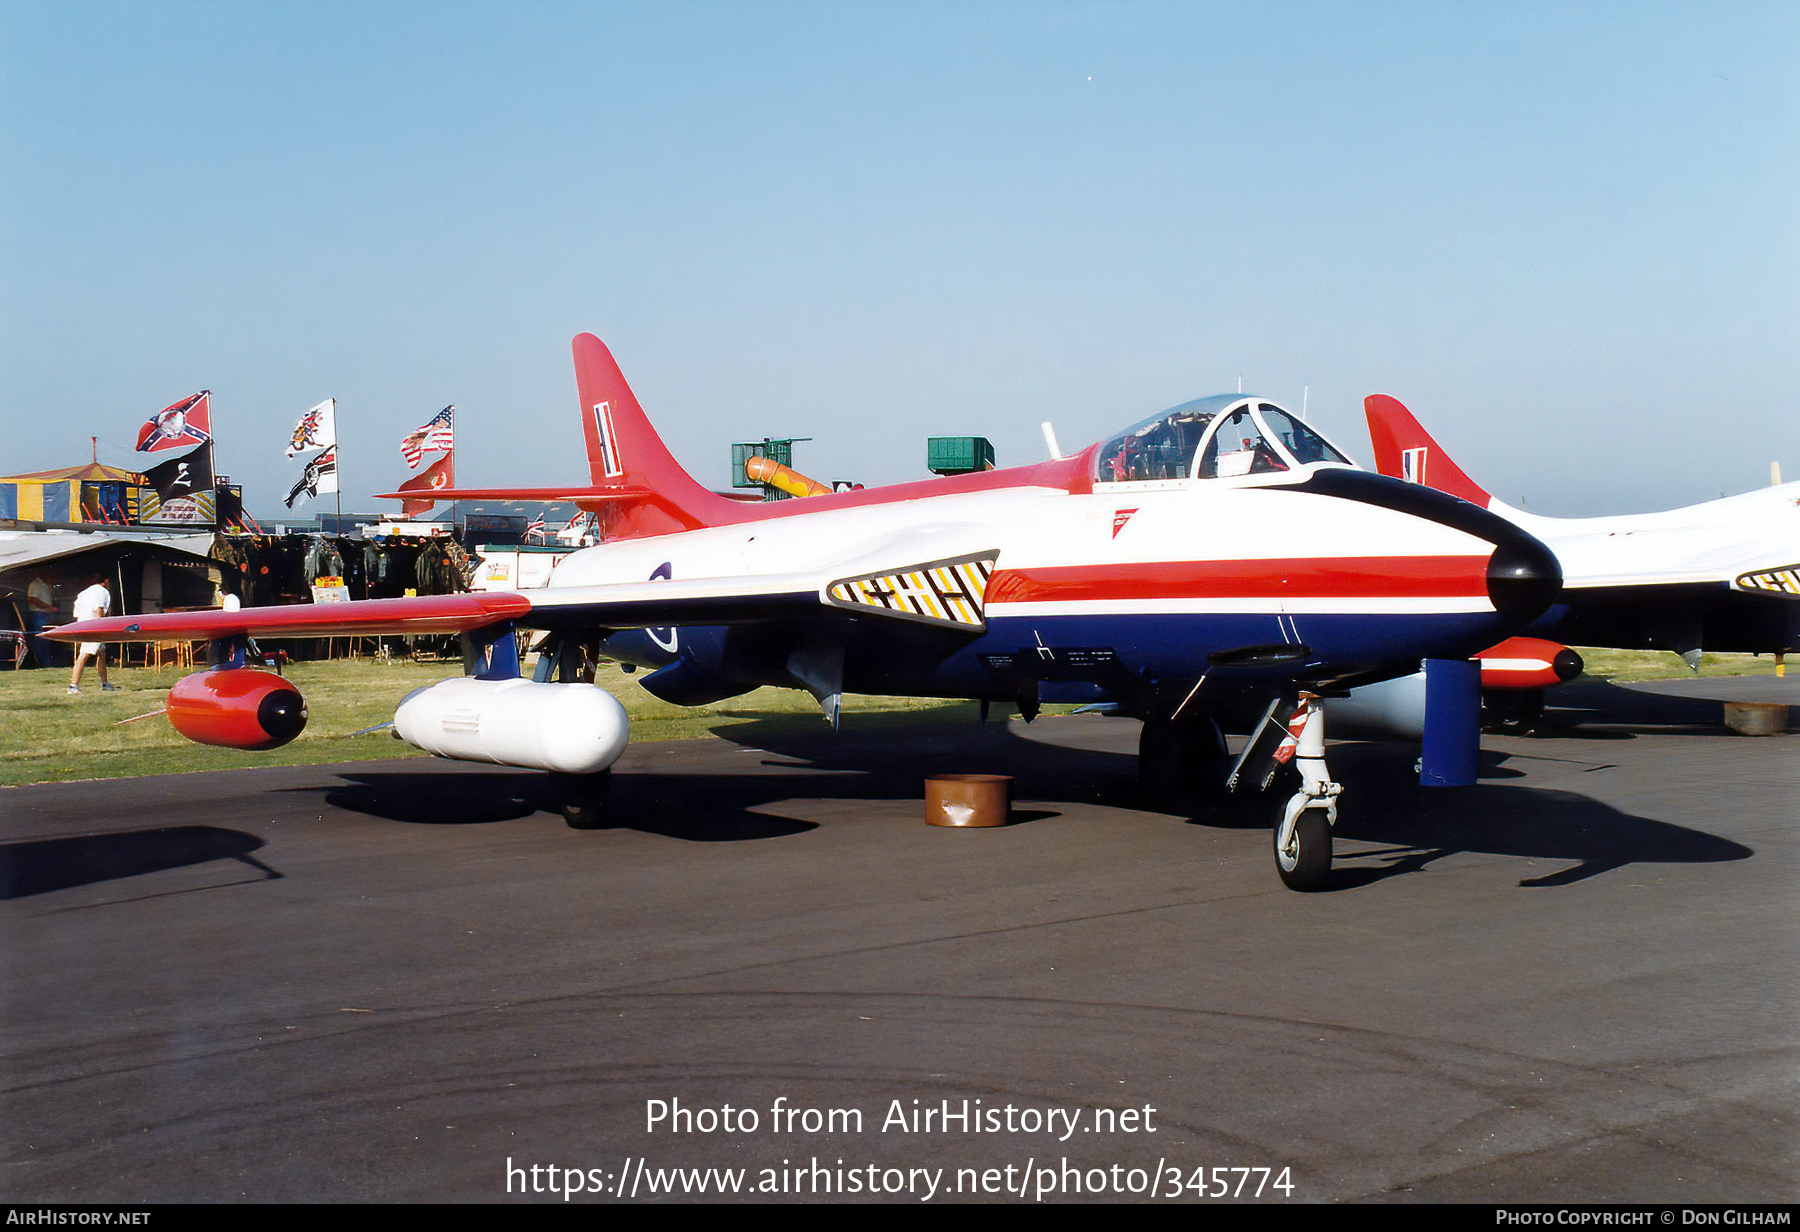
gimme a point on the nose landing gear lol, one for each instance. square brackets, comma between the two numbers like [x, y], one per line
[1303, 819]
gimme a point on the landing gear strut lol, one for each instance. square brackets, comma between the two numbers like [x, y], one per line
[1303, 820]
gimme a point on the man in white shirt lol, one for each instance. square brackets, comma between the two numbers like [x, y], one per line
[92, 604]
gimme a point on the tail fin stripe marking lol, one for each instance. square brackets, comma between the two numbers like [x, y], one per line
[609, 452]
[1412, 465]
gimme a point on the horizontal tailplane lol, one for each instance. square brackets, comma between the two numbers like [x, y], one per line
[636, 485]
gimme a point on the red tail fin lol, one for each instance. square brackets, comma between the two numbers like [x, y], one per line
[1404, 450]
[623, 449]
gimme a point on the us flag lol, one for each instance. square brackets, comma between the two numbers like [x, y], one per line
[437, 433]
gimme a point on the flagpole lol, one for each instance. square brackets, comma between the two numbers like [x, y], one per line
[212, 456]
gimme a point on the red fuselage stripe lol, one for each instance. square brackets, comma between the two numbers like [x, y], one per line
[1347, 577]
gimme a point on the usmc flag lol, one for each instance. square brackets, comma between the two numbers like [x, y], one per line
[440, 474]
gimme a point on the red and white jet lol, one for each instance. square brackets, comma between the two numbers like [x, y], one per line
[1220, 565]
[1723, 575]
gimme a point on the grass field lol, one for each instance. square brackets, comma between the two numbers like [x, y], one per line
[49, 736]
[1621, 666]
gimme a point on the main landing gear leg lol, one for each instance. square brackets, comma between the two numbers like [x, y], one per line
[1303, 820]
[1181, 764]
[581, 798]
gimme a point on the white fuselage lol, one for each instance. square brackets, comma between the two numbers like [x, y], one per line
[1717, 541]
[1151, 576]
[1248, 525]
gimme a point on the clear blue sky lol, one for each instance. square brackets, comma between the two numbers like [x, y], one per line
[1567, 235]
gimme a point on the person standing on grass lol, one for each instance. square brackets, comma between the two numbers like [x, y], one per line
[92, 604]
[42, 604]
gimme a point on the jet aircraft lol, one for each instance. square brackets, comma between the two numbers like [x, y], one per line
[1722, 576]
[1219, 566]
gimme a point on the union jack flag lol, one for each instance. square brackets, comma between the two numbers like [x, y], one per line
[437, 433]
[536, 529]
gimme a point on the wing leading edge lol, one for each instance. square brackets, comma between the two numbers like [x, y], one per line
[424, 614]
[949, 593]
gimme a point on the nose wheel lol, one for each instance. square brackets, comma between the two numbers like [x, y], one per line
[1303, 819]
[1302, 847]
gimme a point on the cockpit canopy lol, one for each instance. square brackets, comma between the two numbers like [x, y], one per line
[1214, 438]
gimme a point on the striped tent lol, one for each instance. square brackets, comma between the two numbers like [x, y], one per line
[91, 492]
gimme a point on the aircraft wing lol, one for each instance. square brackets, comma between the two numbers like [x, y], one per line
[946, 593]
[425, 614]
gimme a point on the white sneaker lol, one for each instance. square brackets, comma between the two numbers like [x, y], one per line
[109, 688]
[74, 689]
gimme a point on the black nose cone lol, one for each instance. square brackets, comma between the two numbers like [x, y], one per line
[1523, 578]
[282, 714]
[1567, 665]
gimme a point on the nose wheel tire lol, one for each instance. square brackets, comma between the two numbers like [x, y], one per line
[1304, 862]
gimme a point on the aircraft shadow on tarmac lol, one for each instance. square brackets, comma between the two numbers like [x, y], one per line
[1577, 709]
[705, 809]
[1422, 824]
[39, 866]
[1384, 805]
[702, 808]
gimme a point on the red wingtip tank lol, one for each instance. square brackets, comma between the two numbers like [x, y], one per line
[237, 708]
[1528, 663]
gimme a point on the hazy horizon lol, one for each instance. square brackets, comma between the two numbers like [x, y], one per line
[1564, 235]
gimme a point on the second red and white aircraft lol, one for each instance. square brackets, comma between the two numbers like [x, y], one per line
[1723, 575]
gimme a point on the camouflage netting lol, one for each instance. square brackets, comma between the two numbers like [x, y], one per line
[443, 568]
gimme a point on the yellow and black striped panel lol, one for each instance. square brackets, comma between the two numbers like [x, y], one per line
[1781, 581]
[949, 593]
[200, 509]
